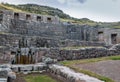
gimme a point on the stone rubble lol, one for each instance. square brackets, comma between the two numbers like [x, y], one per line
[6, 73]
[71, 75]
[57, 70]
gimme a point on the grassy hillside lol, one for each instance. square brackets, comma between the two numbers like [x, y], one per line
[45, 10]
[38, 9]
[2, 6]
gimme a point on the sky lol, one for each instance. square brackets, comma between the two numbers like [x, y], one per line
[97, 10]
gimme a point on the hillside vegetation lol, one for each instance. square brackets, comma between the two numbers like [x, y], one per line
[45, 10]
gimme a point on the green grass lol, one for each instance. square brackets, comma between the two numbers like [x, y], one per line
[115, 58]
[40, 78]
[81, 22]
[5, 33]
[79, 47]
[10, 8]
[92, 60]
[84, 61]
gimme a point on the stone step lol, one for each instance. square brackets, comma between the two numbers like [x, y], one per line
[3, 79]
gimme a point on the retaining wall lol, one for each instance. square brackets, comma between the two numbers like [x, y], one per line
[83, 53]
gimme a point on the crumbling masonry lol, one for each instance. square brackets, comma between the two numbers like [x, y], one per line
[49, 32]
[25, 38]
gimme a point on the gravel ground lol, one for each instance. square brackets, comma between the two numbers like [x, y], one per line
[109, 68]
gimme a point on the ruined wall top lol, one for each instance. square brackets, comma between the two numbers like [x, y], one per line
[30, 16]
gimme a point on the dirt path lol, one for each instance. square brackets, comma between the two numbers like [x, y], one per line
[109, 68]
[20, 78]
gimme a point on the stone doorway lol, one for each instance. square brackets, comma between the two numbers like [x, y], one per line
[114, 38]
[16, 15]
[1, 17]
[49, 19]
[28, 17]
[100, 36]
[39, 18]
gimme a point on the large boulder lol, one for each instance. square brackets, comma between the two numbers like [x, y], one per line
[115, 47]
[12, 75]
[48, 60]
[6, 74]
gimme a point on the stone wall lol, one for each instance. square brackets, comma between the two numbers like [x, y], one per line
[56, 31]
[76, 54]
[30, 16]
[106, 35]
[77, 43]
[10, 40]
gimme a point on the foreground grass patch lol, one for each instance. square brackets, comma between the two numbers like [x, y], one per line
[40, 78]
[84, 61]
[92, 60]
[79, 47]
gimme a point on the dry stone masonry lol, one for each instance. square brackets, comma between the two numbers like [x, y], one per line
[58, 71]
[70, 75]
[16, 24]
[82, 53]
[50, 38]
[49, 35]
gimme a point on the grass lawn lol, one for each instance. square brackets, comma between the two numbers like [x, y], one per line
[92, 60]
[84, 61]
[40, 78]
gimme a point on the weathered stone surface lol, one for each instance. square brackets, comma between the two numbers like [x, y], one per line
[48, 60]
[3, 73]
[6, 72]
[3, 79]
[70, 75]
[15, 68]
[82, 53]
[23, 68]
[40, 67]
[5, 66]
[12, 75]
[29, 68]
[115, 47]
[50, 33]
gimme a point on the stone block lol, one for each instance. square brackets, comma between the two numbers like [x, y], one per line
[3, 79]
[26, 68]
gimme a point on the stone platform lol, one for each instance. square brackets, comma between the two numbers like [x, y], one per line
[57, 70]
